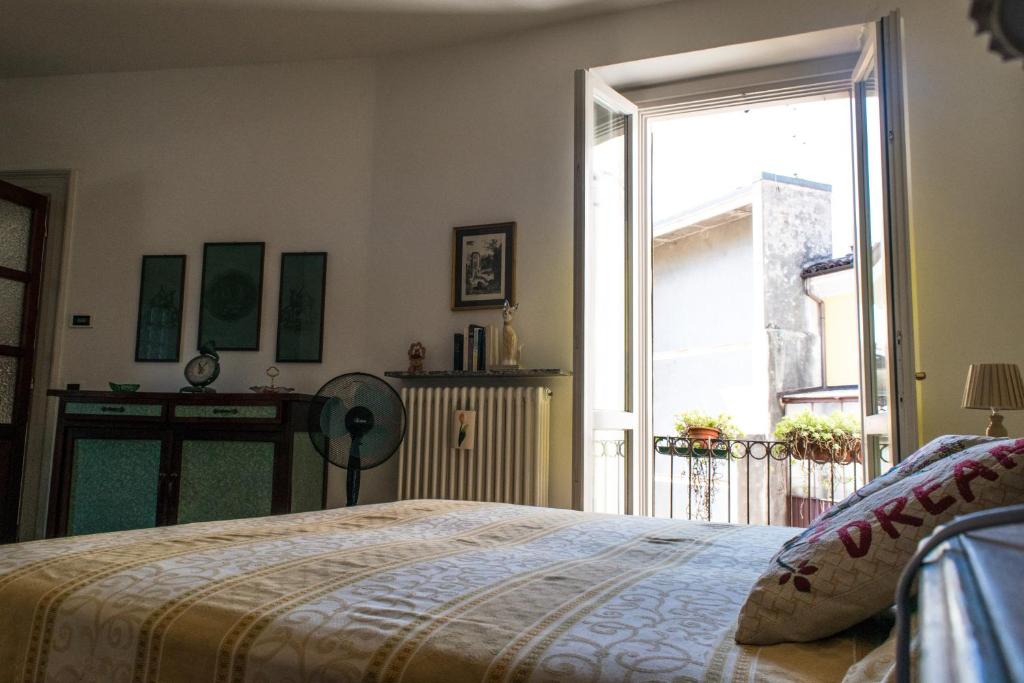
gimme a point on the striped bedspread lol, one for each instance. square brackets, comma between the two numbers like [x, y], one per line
[419, 591]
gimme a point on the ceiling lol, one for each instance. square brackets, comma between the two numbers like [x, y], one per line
[48, 37]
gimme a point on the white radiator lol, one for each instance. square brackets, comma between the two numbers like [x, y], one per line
[509, 461]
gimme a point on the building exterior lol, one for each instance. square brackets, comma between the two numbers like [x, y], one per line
[734, 327]
[830, 284]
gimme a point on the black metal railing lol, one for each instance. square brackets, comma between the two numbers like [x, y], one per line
[750, 481]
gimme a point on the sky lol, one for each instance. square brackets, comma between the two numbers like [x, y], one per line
[700, 157]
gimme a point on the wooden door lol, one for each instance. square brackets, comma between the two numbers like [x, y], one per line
[22, 240]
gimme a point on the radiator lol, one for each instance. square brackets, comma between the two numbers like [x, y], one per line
[509, 461]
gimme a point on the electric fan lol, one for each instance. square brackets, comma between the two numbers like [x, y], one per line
[356, 422]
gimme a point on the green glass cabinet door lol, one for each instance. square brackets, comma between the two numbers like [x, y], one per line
[225, 480]
[114, 484]
[307, 475]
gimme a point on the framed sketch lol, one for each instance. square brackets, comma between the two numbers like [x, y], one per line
[300, 307]
[464, 430]
[231, 296]
[483, 266]
[161, 293]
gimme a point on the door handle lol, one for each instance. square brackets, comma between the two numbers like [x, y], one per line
[112, 409]
[225, 411]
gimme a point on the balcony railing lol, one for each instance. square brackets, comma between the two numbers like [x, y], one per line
[745, 481]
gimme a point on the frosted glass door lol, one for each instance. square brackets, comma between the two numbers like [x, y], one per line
[114, 484]
[225, 480]
[22, 235]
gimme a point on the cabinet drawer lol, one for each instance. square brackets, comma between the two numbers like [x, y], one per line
[114, 410]
[195, 413]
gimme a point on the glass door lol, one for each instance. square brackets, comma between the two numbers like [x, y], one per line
[22, 234]
[889, 420]
[606, 331]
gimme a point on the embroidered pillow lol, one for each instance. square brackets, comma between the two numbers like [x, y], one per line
[844, 567]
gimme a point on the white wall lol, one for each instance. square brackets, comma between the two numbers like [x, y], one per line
[168, 160]
[483, 133]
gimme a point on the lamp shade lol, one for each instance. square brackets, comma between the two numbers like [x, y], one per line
[995, 386]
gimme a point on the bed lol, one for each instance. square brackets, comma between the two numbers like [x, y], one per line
[416, 591]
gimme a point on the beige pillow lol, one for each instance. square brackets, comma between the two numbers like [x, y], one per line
[844, 567]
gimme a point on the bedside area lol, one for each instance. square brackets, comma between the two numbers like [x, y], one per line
[135, 460]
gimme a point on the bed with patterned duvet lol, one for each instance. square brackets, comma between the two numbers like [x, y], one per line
[416, 591]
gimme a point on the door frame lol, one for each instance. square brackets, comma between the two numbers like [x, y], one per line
[58, 185]
[816, 76]
[24, 352]
[882, 51]
[587, 83]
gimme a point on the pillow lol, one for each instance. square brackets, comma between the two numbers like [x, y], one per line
[845, 566]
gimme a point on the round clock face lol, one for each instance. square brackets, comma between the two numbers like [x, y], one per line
[202, 370]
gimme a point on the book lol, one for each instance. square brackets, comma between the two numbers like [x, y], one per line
[492, 346]
[473, 348]
[481, 343]
[459, 351]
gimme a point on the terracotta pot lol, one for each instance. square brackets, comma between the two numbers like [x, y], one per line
[805, 450]
[705, 434]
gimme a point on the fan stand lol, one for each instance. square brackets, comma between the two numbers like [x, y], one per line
[352, 478]
[358, 421]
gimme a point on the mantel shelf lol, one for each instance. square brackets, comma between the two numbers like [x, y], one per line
[478, 374]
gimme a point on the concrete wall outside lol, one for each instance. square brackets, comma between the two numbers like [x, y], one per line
[797, 229]
[703, 313]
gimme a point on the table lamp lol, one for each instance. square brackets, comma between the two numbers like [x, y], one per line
[994, 387]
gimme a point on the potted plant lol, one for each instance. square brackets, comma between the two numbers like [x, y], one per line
[701, 426]
[821, 438]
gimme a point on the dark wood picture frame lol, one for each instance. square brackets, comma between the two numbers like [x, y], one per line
[143, 352]
[290, 305]
[240, 301]
[462, 300]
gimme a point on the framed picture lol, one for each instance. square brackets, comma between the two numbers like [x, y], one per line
[300, 307]
[231, 296]
[483, 266]
[161, 293]
[464, 430]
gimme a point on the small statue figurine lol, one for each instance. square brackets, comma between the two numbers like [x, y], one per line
[510, 348]
[417, 352]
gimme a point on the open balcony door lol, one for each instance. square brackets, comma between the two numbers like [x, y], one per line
[882, 252]
[607, 433]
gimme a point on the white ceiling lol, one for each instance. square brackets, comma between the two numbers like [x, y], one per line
[44, 37]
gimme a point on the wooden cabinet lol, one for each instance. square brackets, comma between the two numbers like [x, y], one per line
[127, 461]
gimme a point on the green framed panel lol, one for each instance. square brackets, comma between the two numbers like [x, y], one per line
[114, 485]
[300, 307]
[161, 297]
[227, 412]
[225, 480]
[114, 409]
[231, 297]
[307, 475]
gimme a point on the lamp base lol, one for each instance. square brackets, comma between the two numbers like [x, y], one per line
[995, 425]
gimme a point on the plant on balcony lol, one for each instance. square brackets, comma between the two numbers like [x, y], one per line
[702, 427]
[821, 438]
[696, 424]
